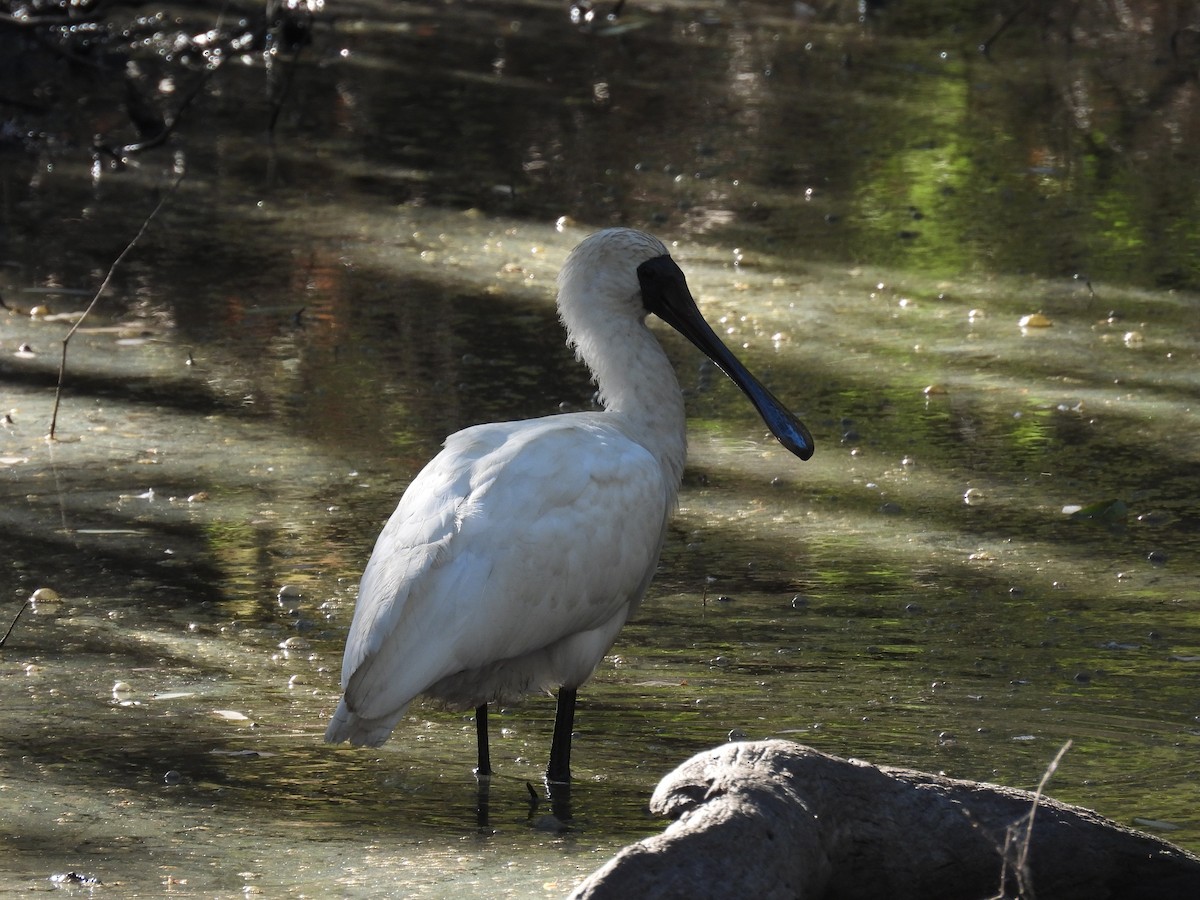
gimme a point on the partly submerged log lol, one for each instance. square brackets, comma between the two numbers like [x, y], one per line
[774, 819]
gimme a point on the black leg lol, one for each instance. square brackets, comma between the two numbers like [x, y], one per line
[484, 769]
[560, 749]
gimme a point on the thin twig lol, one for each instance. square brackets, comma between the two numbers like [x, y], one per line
[986, 47]
[277, 103]
[4, 640]
[1017, 846]
[1023, 855]
[168, 128]
[62, 366]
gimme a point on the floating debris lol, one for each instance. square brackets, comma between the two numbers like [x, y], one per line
[242, 754]
[1034, 320]
[1102, 511]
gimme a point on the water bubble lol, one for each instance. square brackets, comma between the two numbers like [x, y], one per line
[289, 595]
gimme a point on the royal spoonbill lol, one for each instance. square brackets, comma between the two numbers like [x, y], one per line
[520, 550]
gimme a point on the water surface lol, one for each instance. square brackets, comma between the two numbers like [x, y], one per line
[864, 213]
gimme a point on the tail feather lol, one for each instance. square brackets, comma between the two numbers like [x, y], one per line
[347, 725]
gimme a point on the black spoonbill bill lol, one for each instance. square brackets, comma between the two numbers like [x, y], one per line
[520, 550]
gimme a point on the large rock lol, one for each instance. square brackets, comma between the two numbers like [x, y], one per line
[774, 819]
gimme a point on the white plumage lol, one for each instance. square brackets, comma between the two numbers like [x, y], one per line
[518, 553]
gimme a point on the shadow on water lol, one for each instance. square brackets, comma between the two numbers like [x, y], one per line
[866, 210]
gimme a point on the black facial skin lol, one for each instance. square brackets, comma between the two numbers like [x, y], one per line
[665, 293]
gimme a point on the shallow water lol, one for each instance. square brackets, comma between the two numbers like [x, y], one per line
[866, 218]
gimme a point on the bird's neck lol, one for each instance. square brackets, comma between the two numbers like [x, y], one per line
[639, 388]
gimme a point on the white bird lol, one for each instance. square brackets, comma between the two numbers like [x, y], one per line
[518, 553]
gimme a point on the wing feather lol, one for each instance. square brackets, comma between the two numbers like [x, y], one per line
[515, 537]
